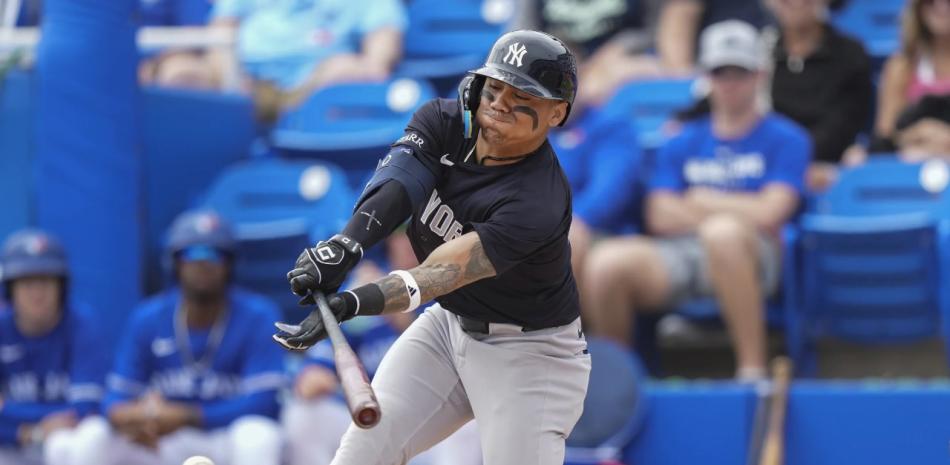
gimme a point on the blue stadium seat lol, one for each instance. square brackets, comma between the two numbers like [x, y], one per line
[614, 409]
[873, 259]
[188, 137]
[351, 125]
[875, 23]
[278, 207]
[650, 104]
[446, 38]
[885, 185]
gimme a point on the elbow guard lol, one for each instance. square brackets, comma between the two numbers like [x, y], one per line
[402, 165]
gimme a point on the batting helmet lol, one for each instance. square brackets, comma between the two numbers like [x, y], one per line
[200, 227]
[32, 252]
[530, 61]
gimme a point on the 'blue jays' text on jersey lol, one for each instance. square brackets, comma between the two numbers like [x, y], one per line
[59, 371]
[520, 211]
[776, 150]
[242, 375]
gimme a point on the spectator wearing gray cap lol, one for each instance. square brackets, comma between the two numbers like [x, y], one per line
[721, 192]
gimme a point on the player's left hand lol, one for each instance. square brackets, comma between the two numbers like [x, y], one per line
[311, 331]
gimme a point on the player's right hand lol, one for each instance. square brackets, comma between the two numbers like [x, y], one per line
[324, 267]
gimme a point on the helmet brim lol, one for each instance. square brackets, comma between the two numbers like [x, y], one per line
[35, 267]
[518, 81]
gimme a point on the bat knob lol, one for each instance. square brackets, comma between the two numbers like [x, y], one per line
[367, 418]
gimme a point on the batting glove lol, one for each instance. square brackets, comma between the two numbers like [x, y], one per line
[324, 267]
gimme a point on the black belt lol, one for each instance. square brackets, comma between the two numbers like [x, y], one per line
[471, 325]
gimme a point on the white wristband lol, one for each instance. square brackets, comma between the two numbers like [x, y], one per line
[412, 288]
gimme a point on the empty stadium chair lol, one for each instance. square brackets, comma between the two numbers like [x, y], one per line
[885, 185]
[614, 409]
[446, 38]
[872, 261]
[188, 137]
[278, 207]
[351, 125]
[876, 23]
[650, 104]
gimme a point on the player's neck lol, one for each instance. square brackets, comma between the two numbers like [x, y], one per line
[203, 313]
[493, 154]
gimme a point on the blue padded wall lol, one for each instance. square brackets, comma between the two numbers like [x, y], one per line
[16, 147]
[87, 171]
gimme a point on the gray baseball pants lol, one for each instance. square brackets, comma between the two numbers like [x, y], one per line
[525, 388]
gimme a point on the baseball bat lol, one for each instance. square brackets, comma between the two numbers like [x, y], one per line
[773, 448]
[360, 398]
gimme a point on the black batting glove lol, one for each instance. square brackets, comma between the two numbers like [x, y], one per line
[324, 267]
[311, 330]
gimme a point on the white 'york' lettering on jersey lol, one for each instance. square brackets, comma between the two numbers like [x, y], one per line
[440, 218]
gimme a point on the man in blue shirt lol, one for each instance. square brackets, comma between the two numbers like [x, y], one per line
[195, 372]
[602, 160]
[721, 192]
[300, 46]
[51, 363]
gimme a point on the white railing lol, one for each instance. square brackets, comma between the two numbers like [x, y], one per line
[149, 38]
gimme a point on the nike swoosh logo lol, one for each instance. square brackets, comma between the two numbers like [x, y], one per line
[445, 160]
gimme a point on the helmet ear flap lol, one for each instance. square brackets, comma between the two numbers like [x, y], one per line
[470, 92]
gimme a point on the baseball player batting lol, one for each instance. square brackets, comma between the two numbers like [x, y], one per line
[490, 211]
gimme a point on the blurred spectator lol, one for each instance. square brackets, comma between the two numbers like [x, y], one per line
[52, 363]
[609, 37]
[291, 48]
[923, 130]
[921, 67]
[681, 22]
[196, 372]
[719, 196]
[821, 80]
[177, 68]
[315, 419]
[603, 163]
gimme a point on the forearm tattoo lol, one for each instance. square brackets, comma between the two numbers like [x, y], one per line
[436, 279]
[395, 297]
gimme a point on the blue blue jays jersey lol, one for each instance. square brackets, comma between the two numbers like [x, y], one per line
[62, 370]
[238, 376]
[370, 345]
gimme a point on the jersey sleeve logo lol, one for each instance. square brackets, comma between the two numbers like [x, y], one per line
[515, 53]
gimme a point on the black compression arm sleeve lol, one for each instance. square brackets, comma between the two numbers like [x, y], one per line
[379, 214]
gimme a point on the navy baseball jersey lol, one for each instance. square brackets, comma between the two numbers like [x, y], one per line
[59, 371]
[228, 371]
[521, 212]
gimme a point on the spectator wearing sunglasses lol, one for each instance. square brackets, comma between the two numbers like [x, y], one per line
[196, 372]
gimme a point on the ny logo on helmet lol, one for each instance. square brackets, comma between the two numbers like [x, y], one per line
[515, 53]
